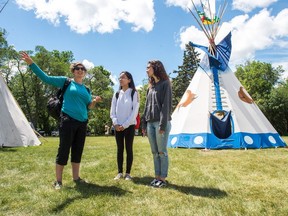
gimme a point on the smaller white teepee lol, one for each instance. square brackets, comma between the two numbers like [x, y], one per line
[15, 129]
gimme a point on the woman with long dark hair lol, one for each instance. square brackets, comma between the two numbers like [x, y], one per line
[156, 119]
[123, 112]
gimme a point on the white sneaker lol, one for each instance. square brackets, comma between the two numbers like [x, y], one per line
[119, 176]
[128, 177]
[154, 182]
[57, 185]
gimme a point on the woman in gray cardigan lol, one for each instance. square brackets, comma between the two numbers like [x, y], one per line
[156, 119]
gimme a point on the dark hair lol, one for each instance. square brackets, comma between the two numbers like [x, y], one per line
[159, 71]
[129, 76]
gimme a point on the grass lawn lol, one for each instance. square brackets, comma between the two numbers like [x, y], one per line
[217, 182]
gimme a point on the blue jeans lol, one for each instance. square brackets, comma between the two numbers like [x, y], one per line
[158, 143]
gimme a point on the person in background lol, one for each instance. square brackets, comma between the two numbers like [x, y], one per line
[74, 117]
[107, 130]
[156, 119]
[137, 126]
[123, 112]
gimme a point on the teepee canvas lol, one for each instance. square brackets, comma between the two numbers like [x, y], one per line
[215, 111]
[15, 130]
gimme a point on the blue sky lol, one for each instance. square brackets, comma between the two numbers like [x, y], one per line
[125, 34]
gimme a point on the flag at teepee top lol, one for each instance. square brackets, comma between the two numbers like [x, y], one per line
[208, 15]
[208, 21]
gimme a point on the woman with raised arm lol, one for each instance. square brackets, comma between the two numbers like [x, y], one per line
[74, 117]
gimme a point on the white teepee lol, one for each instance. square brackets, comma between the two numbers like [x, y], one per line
[216, 112]
[15, 130]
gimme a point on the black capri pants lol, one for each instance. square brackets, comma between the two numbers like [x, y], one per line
[72, 135]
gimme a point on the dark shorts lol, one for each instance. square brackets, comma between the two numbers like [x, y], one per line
[72, 135]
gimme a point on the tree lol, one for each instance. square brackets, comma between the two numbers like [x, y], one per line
[276, 108]
[184, 73]
[142, 94]
[8, 55]
[99, 82]
[258, 78]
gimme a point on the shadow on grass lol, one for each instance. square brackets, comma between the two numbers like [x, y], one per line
[8, 149]
[88, 190]
[195, 191]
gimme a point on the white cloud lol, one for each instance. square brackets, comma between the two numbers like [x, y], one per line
[83, 16]
[243, 5]
[114, 79]
[88, 64]
[260, 32]
[184, 4]
[248, 5]
[192, 34]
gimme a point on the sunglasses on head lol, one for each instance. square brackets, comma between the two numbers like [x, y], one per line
[80, 68]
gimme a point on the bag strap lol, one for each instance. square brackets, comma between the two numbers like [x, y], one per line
[66, 84]
[88, 90]
[132, 94]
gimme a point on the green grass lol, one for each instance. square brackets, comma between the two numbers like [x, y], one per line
[218, 182]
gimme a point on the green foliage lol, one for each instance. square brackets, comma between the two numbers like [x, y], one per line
[184, 73]
[142, 94]
[99, 82]
[8, 56]
[276, 108]
[258, 78]
[227, 182]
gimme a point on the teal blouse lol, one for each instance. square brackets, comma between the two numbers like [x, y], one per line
[76, 97]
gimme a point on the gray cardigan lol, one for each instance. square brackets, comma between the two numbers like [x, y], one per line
[158, 105]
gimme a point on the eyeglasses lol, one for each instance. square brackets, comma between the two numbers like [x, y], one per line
[80, 68]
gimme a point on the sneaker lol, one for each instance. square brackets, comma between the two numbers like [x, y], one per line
[152, 183]
[57, 185]
[119, 176]
[160, 184]
[80, 181]
[128, 177]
